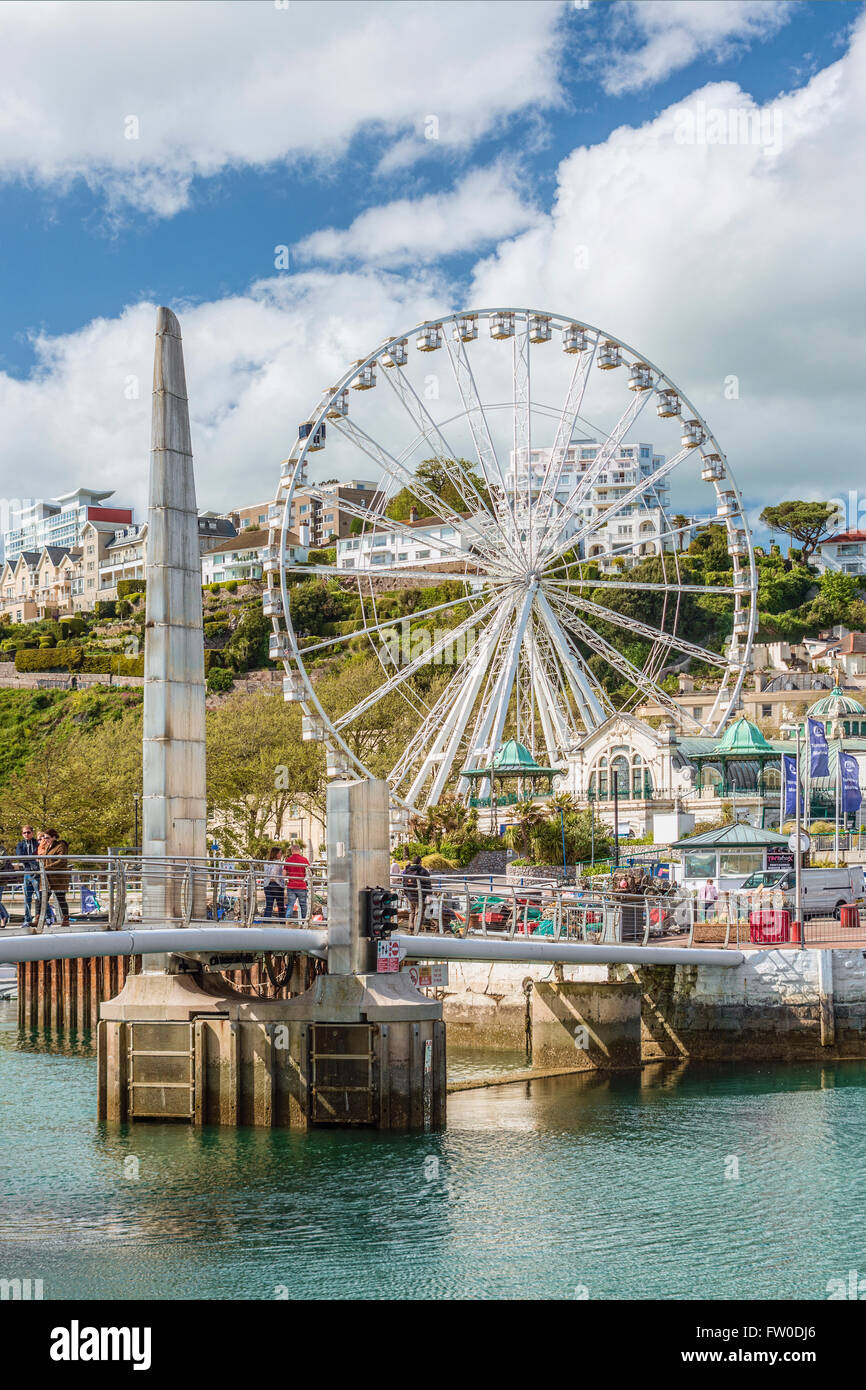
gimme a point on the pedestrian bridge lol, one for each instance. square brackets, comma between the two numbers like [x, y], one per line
[216, 908]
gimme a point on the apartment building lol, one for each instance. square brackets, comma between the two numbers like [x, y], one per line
[330, 508]
[845, 552]
[60, 521]
[631, 532]
[243, 556]
[428, 540]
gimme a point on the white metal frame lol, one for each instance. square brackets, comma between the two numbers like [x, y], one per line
[523, 580]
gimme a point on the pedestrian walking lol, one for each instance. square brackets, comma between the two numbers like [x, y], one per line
[55, 852]
[707, 894]
[274, 892]
[27, 850]
[296, 866]
[417, 890]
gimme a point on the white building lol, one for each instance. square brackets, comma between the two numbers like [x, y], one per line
[428, 540]
[845, 552]
[632, 532]
[243, 557]
[60, 521]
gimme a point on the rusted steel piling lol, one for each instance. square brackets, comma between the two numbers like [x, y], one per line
[64, 995]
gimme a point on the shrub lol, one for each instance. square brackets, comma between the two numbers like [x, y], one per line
[46, 640]
[127, 665]
[215, 630]
[219, 680]
[59, 658]
[214, 588]
[437, 863]
[105, 608]
[232, 586]
[129, 588]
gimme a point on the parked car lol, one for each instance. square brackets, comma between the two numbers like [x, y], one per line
[824, 891]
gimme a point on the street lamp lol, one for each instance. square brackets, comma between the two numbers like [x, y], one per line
[135, 800]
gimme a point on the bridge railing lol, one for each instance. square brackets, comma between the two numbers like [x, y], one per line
[107, 892]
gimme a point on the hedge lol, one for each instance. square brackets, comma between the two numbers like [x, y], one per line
[105, 608]
[59, 658]
[125, 587]
[68, 658]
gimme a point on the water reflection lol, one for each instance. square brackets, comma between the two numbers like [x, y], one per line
[617, 1183]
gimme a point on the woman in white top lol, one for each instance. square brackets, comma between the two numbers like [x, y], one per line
[274, 891]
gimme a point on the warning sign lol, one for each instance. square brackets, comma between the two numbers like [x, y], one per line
[387, 957]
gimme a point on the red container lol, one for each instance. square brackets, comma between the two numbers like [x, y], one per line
[849, 915]
[770, 927]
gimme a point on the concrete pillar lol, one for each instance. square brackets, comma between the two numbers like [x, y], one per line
[357, 828]
[174, 688]
[587, 1025]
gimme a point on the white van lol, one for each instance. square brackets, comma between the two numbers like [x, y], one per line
[824, 891]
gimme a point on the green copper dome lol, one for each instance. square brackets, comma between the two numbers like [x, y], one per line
[744, 739]
[836, 705]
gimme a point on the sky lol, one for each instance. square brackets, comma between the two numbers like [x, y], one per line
[300, 180]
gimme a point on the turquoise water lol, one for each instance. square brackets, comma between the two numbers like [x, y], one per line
[571, 1187]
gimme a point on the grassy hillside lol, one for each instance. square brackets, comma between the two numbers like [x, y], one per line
[28, 717]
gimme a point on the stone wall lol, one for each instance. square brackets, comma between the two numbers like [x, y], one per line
[59, 680]
[777, 1005]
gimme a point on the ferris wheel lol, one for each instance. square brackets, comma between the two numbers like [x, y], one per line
[509, 523]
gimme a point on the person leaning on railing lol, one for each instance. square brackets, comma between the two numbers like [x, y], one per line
[274, 893]
[296, 867]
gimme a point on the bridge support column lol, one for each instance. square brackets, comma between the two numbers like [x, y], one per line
[356, 1048]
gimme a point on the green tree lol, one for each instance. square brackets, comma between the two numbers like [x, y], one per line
[257, 766]
[805, 522]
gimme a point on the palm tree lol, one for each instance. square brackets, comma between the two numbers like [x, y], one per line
[529, 817]
[680, 520]
[564, 801]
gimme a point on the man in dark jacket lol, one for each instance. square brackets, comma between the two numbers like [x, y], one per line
[417, 889]
[27, 850]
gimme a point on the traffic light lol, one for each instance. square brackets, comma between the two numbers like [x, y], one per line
[380, 912]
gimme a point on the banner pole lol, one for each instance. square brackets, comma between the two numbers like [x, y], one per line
[797, 854]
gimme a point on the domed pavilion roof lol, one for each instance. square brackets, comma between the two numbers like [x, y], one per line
[743, 739]
[836, 705]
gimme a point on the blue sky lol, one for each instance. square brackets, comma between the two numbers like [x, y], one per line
[95, 230]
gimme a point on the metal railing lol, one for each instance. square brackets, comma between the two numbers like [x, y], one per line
[109, 892]
[120, 892]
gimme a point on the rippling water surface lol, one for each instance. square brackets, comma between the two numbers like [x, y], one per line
[613, 1186]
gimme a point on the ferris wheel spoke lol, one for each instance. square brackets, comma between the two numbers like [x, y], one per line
[436, 648]
[659, 587]
[522, 428]
[626, 668]
[444, 751]
[558, 734]
[400, 471]
[370, 628]
[599, 463]
[655, 635]
[564, 431]
[476, 417]
[431, 432]
[616, 508]
[591, 705]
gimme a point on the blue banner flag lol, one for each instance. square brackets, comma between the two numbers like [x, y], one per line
[789, 770]
[819, 753]
[851, 794]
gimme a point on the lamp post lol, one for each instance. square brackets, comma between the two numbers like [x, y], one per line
[614, 772]
[591, 799]
[135, 800]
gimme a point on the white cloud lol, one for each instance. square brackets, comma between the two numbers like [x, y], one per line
[672, 33]
[715, 260]
[244, 83]
[255, 364]
[485, 205]
[721, 260]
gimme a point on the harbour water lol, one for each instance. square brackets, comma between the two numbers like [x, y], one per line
[685, 1182]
